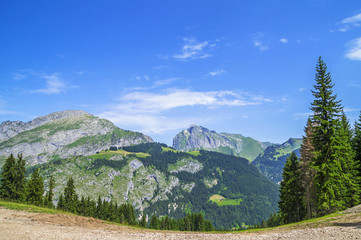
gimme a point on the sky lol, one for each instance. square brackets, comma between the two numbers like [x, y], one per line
[157, 67]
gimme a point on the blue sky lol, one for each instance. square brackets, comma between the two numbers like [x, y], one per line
[158, 66]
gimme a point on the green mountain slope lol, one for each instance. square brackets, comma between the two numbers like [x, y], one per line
[197, 138]
[61, 135]
[160, 180]
[271, 162]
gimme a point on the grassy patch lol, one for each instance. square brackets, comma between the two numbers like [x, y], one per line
[28, 208]
[194, 153]
[222, 201]
[109, 154]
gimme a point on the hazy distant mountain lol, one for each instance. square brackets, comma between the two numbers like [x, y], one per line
[61, 135]
[271, 162]
[197, 137]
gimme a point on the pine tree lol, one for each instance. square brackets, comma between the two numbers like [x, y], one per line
[346, 155]
[356, 145]
[70, 196]
[8, 179]
[35, 189]
[291, 192]
[325, 119]
[20, 181]
[60, 205]
[307, 173]
[143, 221]
[154, 222]
[50, 194]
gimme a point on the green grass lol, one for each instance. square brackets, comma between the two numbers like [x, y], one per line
[194, 153]
[222, 201]
[28, 208]
[109, 154]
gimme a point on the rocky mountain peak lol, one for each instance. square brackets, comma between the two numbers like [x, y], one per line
[63, 134]
[198, 137]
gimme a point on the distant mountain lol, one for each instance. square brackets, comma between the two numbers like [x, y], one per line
[159, 180]
[197, 137]
[271, 162]
[61, 135]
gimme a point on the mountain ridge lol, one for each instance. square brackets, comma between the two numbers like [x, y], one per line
[63, 134]
[198, 137]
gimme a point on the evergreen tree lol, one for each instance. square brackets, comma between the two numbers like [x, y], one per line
[154, 222]
[61, 205]
[291, 192]
[20, 181]
[50, 194]
[143, 221]
[35, 189]
[307, 173]
[325, 119]
[346, 155]
[356, 144]
[70, 196]
[8, 179]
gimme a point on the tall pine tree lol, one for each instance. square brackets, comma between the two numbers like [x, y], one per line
[291, 192]
[35, 189]
[8, 179]
[70, 196]
[346, 155]
[20, 181]
[307, 173]
[356, 145]
[326, 114]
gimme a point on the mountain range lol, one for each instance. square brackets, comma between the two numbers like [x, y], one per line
[204, 171]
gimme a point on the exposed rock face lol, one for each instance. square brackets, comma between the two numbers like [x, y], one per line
[197, 137]
[63, 134]
[272, 161]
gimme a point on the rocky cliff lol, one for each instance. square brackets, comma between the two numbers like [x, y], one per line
[197, 137]
[61, 135]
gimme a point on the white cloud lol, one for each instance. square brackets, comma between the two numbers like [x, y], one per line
[217, 72]
[283, 40]
[149, 111]
[354, 51]
[19, 76]
[258, 43]
[302, 89]
[54, 84]
[194, 50]
[349, 23]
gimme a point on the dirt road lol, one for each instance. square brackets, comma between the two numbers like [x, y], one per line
[25, 225]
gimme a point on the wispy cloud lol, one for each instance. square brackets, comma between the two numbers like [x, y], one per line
[260, 45]
[148, 111]
[258, 42]
[54, 84]
[354, 50]
[217, 72]
[349, 23]
[192, 49]
[284, 40]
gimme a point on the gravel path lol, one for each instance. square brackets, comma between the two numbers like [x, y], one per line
[25, 225]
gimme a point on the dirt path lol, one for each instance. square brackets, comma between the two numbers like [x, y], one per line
[25, 225]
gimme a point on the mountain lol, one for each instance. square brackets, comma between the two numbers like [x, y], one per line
[61, 135]
[125, 166]
[160, 180]
[197, 137]
[273, 159]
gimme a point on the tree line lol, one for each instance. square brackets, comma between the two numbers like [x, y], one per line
[327, 176]
[14, 186]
